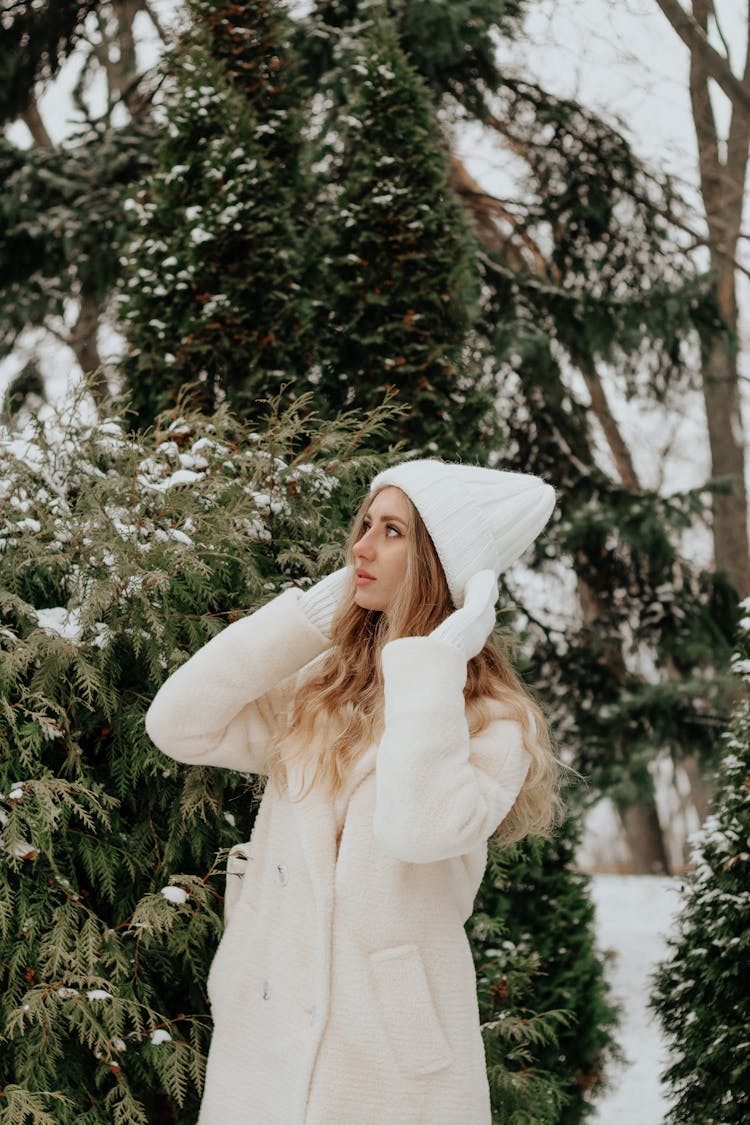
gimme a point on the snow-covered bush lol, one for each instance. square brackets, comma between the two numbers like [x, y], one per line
[702, 990]
[119, 556]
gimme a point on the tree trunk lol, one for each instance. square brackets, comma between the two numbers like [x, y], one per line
[701, 789]
[36, 126]
[722, 189]
[83, 341]
[640, 820]
[721, 395]
[645, 838]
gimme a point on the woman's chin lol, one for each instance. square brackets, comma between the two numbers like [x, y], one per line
[368, 599]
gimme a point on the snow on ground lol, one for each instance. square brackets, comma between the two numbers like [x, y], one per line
[634, 914]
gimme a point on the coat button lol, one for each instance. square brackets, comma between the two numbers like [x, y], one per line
[282, 874]
[266, 989]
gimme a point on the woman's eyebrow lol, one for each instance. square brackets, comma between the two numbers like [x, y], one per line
[389, 519]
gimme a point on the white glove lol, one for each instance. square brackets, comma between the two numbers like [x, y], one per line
[321, 601]
[468, 628]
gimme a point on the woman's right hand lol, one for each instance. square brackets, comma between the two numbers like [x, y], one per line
[322, 600]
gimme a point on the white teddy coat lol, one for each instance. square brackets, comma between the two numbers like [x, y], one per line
[343, 990]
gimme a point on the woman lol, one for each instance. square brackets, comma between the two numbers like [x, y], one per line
[396, 740]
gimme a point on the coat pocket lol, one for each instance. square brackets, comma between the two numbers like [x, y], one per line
[407, 1010]
[232, 963]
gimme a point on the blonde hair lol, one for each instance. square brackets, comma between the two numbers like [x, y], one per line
[338, 710]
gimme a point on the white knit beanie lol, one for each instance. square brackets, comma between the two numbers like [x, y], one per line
[478, 519]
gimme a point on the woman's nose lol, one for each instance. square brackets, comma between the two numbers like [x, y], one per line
[363, 547]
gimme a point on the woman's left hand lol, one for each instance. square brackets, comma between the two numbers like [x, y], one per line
[468, 628]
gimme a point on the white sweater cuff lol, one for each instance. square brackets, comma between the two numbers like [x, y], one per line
[420, 672]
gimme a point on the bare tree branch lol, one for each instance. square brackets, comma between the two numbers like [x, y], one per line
[148, 8]
[34, 123]
[704, 122]
[606, 419]
[716, 64]
[738, 149]
[719, 31]
[487, 209]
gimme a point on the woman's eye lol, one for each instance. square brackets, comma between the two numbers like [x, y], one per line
[391, 530]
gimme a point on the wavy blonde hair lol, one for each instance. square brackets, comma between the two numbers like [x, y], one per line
[338, 710]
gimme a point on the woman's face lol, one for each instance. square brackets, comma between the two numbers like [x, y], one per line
[380, 552]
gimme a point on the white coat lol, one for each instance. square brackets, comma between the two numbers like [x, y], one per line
[343, 990]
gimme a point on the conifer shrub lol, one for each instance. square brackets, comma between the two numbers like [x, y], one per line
[534, 945]
[702, 988]
[119, 556]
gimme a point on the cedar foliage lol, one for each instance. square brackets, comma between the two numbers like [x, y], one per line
[119, 556]
[534, 910]
[701, 990]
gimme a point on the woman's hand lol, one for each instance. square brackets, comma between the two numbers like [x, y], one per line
[469, 627]
[322, 600]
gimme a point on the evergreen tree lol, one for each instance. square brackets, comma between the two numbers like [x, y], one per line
[398, 274]
[212, 294]
[702, 988]
[516, 1033]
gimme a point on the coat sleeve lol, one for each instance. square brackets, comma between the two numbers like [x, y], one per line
[439, 793]
[223, 706]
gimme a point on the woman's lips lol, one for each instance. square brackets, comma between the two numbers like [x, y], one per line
[363, 578]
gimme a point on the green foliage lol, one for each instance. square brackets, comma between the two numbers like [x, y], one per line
[250, 42]
[521, 1089]
[119, 556]
[245, 276]
[702, 988]
[452, 46]
[34, 41]
[397, 266]
[617, 283]
[533, 939]
[212, 294]
[61, 214]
